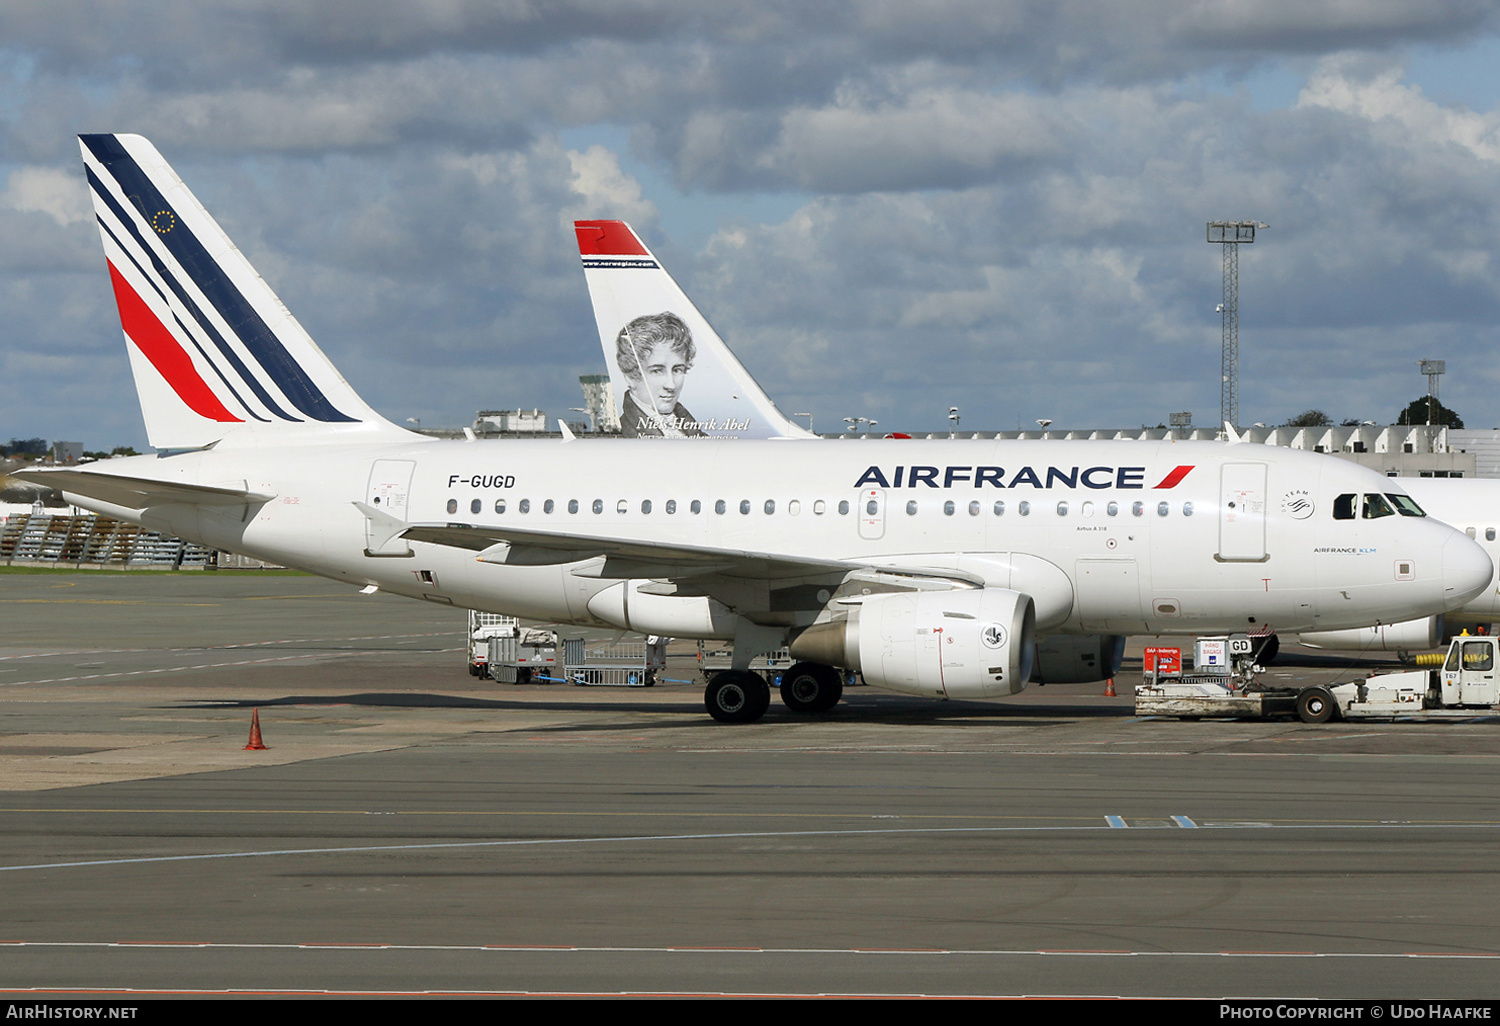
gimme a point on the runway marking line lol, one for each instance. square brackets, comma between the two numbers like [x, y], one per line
[752, 950]
[639, 838]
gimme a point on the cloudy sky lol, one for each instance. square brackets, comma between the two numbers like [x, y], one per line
[888, 208]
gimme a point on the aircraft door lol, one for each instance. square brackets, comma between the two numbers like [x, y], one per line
[1242, 513]
[388, 495]
[872, 514]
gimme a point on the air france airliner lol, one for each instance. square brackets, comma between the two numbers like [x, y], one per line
[928, 567]
[625, 280]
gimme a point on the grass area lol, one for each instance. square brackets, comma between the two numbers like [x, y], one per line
[144, 570]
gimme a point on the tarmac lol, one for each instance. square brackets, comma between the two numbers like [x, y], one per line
[410, 829]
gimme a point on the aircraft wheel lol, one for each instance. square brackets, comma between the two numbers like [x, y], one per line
[811, 687]
[737, 696]
[1316, 705]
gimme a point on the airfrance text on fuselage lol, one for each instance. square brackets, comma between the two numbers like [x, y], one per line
[978, 477]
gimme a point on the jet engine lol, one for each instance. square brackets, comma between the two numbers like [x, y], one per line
[1406, 636]
[964, 643]
[1061, 659]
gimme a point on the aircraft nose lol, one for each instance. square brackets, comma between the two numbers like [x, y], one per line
[1467, 571]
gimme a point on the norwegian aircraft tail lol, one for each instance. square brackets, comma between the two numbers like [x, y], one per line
[664, 358]
[215, 354]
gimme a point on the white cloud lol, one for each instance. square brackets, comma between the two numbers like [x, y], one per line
[1336, 85]
[605, 191]
[59, 194]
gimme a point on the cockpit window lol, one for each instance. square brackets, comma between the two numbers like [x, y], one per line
[1405, 505]
[1343, 506]
[1376, 507]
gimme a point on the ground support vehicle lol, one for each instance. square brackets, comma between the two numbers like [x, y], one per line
[634, 664]
[1464, 687]
[527, 655]
[482, 628]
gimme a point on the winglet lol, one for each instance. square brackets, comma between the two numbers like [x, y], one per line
[567, 432]
[1235, 438]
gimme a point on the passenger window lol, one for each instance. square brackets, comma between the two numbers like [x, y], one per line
[794, 507]
[770, 506]
[843, 507]
[453, 506]
[1471, 532]
[1024, 508]
[695, 507]
[1376, 507]
[720, 506]
[645, 505]
[1187, 509]
[948, 508]
[999, 509]
[745, 507]
[1161, 509]
[1062, 509]
[671, 506]
[1087, 509]
[548, 506]
[598, 506]
[1489, 534]
[620, 506]
[911, 508]
[1113, 509]
[1343, 506]
[973, 509]
[1137, 508]
[475, 507]
[872, 507]
[819, 507]
[524, 506]
[499, 506]
[572, 506]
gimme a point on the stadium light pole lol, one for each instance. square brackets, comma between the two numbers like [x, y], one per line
[1230, 234]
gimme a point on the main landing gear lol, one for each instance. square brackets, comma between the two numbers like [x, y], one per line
[811, 687]
[743, 696]
[737, 696]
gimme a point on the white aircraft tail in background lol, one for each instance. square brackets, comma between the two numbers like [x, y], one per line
[664, 358]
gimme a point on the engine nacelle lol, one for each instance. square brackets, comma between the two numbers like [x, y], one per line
[1407, 636]
[1061, 659]
[966, 643]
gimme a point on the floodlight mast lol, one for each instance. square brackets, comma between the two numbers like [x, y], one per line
[1433, 369]
[1230, 234]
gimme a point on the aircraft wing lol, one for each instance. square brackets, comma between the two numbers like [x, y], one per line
[138, 492]
[632, 558]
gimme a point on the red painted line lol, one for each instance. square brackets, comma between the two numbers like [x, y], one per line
[166, 354]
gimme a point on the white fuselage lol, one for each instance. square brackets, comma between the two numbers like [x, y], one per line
[1183, 561]
[1472, 506]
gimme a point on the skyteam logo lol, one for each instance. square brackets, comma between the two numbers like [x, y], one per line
[1297, 504]
[1025, 477]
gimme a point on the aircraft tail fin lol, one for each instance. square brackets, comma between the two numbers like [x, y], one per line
[214, 352]
[664, 358]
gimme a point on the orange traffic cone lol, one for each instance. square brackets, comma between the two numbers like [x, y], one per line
[256, 744]
[1109, 688]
